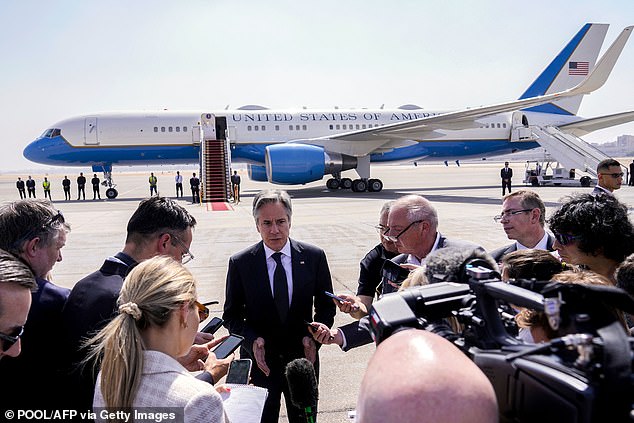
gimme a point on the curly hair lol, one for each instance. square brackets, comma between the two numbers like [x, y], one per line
[601, 221]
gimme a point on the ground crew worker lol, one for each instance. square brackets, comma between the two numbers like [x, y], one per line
[152, 180]
[47, 188]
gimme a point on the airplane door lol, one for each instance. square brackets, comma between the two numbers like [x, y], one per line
[90, 131]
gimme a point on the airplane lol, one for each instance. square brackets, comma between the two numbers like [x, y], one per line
[302, 145]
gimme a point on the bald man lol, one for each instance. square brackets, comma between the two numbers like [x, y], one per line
[416, 376]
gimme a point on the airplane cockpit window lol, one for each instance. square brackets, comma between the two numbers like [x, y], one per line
[51, 132]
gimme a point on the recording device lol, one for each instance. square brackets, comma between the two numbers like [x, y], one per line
[302, 384]
[228, 346]
[213, 325]
[585, 375]
[239, 371]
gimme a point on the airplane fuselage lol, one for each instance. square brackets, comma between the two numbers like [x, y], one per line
[166, 137]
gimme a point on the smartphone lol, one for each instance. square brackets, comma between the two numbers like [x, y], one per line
[213, 325]
[394, 273]
[228, 346]
[331, 295]
[239, 371]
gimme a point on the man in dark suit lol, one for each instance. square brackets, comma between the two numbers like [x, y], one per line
[506, 173]
[609, 177]
[413, 228]
[35, 232]
[194, 184]
[159, 226]
[523, 218]
[20, 186]
[30, 186]
[272, 287]
[81, 186]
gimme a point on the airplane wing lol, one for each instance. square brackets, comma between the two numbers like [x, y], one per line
[366, 141]
[585, 126]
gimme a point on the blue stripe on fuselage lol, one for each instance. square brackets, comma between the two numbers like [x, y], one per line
[57, 151]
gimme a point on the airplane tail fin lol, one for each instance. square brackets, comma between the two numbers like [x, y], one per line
[568, 68]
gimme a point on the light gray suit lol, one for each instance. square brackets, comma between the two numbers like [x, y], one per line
[165, 383]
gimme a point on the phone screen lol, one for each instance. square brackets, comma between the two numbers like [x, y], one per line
[213, 325]
[239, 371]
[228, 346]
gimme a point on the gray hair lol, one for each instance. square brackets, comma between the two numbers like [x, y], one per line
[24, 220]
[418, 208]
[271, 196]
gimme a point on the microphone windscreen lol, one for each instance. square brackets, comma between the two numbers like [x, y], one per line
[302, 383]
[448, 264]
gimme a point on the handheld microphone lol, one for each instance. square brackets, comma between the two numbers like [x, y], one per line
[302, 385]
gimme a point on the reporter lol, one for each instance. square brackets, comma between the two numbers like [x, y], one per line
[157, 322]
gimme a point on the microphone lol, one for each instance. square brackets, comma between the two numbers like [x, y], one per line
[449, 264]
[302, 384]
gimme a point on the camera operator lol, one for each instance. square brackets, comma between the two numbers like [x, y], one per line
[593, 231]
[417, 376]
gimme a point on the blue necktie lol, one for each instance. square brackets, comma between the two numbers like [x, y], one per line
[280, 286]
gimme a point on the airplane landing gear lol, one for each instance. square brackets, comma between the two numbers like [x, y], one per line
[111, 193]
[358, 185]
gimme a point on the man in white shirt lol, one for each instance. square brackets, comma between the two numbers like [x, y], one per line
[523, 218]
[179, 184]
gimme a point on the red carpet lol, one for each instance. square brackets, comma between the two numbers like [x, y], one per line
[219, 207]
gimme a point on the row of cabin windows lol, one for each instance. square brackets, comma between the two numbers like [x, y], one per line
[304, 127]
[493, 125]
[170, 129]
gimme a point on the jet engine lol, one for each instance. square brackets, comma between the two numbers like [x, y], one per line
[303, 163]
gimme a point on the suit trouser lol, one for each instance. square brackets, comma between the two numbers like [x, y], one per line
[277, 385]
[506, 184]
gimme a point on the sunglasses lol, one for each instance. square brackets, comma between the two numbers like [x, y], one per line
[9, 340]
[565, 239]
[614, 175]
[203, 310]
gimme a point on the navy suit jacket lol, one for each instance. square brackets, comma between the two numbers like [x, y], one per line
[499, 254]
[250, 310]
[90, 306]
[40, 362]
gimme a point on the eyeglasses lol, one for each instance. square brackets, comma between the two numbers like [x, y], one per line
[187, 256]
[614, 175]
[393, 238]
[508, 214]
[203, 312]
[380, 229]
[9, 340]
[565, 239]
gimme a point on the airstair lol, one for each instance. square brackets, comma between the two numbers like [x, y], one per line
[215, 159]
[570, 151]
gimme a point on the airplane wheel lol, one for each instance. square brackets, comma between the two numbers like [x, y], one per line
[359, 185]
[332, 183]
[111, 193]
[346, 183]
[585, 181]
[375, 185]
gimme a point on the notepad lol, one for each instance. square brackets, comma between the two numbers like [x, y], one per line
[244, 403]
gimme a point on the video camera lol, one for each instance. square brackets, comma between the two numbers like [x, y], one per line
[584, 376]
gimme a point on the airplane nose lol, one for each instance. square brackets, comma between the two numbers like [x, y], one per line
[31, 150]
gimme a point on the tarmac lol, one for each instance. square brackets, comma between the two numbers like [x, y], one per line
[341, 222]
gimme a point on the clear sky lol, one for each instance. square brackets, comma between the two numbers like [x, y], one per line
[67, 58]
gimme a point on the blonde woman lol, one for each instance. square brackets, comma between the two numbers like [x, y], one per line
[157, 322]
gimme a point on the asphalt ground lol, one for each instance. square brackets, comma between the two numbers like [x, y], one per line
[340, 222]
